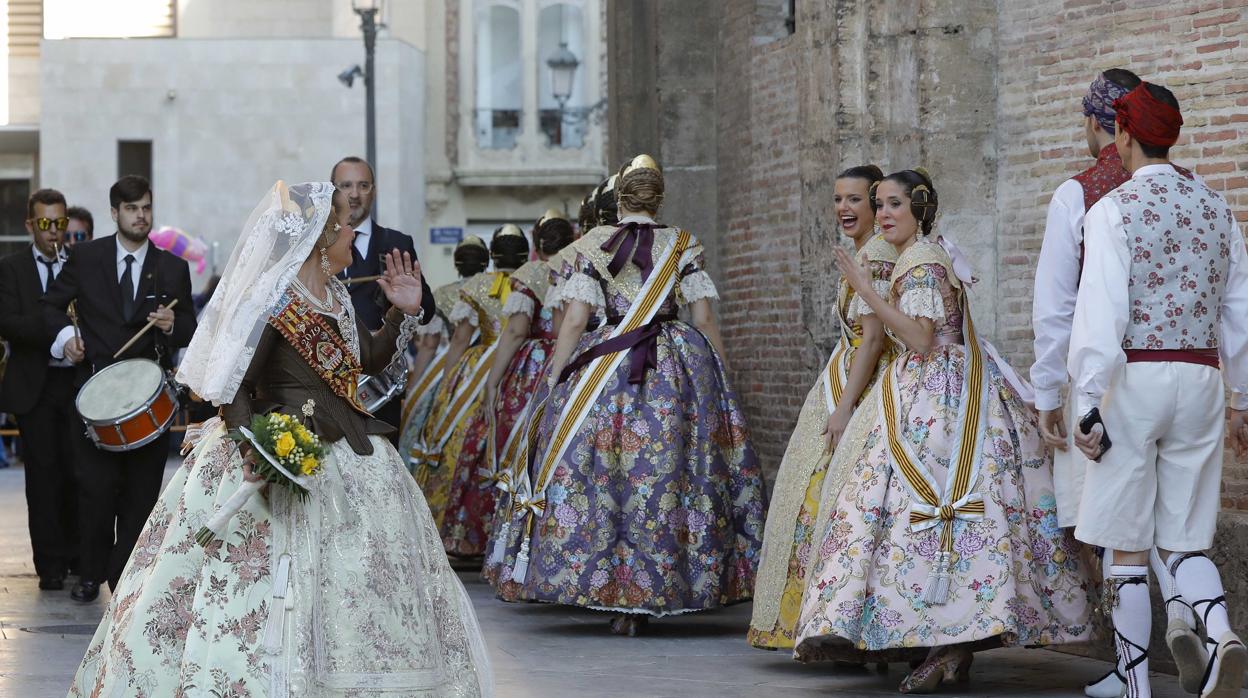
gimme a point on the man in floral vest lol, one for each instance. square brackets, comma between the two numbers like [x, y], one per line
[1053, 309]
[1162, 305]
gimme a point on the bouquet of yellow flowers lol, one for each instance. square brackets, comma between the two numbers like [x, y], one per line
[288, 453]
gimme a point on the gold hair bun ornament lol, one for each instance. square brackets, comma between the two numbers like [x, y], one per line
[471, 241]
[641, 162]
[923, 171]
[551, 213]
[610, 184]
[509, 229]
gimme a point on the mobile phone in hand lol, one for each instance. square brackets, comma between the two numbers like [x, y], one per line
[1091, 419]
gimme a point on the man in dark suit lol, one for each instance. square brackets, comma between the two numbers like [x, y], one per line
[119, 283]
[354, 177]
[39, 391]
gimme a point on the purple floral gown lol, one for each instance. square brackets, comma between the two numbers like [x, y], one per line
[1016, 577]
[657, 504]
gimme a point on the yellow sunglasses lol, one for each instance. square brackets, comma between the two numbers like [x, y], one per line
[62, 224]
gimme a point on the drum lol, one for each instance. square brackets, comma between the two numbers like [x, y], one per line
[375, 391]
[127, 405]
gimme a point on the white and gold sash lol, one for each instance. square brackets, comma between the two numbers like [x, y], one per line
[836, 373]
[425, 452]
[932, 506]
[593, 379]
[428, 380]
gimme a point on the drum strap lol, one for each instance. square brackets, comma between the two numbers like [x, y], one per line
[321, 347]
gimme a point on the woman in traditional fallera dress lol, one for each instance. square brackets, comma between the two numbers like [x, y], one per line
[345, 593]
[646, 496]
[524, 354]
[860, 354]
[471, 257]
[447, 435]
[938, 524]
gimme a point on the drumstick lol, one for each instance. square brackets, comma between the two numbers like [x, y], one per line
[72, 312]
[362, 279]
[150, 324]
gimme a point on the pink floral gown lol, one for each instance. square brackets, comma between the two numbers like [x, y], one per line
[1016, 577]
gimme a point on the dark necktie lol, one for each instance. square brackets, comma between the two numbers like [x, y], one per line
[127, 290]
[47, 263]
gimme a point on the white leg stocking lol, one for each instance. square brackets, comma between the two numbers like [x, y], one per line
[1133, 623]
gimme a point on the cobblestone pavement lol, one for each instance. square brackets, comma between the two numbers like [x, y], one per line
[545, 651]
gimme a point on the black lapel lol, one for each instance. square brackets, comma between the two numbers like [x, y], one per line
[146, 277]
[108, 266]
[30, 270]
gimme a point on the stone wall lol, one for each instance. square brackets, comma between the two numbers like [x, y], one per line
[1050, 50]
[984, 93]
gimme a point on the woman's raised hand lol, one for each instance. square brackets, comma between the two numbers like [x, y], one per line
[856, 274]
[401, 282]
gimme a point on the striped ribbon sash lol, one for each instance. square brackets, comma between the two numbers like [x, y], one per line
[593, 379]
[932, 506]
[428, 380]
[836, 373]
[426, 453]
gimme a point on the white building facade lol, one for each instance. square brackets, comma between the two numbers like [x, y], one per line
[217, 99]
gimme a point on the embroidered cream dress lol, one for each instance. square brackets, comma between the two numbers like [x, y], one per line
[799, 482]
[873, 582]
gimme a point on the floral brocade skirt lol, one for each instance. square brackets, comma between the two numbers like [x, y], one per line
[1016, 578]
[525, 374]
[344, 593]
[433, 468]
[657, 504]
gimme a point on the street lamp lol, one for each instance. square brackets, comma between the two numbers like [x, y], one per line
[562, 66]
[367, 10]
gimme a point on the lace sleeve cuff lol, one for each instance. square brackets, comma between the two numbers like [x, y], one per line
[518, 303]
[434, 327]
[581, 287]
[462, 311]
[698, 286]
[858, 307]
[923, 302]
[554, 295]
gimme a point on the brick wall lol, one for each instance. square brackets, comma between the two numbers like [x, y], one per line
[1049, 52]
[759, 191]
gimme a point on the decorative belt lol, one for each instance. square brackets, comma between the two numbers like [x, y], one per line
[948, 339]
[641, 343]
[1202, 357]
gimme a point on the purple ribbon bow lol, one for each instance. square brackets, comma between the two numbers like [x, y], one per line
[632, 240]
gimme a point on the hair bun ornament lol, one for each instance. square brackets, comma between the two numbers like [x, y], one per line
[509, 229]
[471, 241]
[923, 171]
[550, 214]
[641, 162]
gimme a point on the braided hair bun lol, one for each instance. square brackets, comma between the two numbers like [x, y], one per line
[553, 234]
[641, 190]
[471, 257]
[509, 248]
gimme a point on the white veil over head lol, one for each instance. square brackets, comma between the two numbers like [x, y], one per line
[278, 236]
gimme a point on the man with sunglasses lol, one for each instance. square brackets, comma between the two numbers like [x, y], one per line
[81, 226]
[39, 390]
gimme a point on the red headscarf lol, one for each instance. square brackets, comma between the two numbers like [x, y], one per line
[1148, 120]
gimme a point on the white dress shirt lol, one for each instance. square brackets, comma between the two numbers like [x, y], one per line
[136, 267]
[1103, 310]
[362, 233]
[42, 268]
[136, 270]
[1057, 284]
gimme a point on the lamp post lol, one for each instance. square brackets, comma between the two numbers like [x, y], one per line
[563, 65]
[367, 10]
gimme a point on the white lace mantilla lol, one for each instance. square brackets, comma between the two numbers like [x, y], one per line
[582, 287]
[519, 304]
[461, 312]
[923, 302]
[698, 286]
